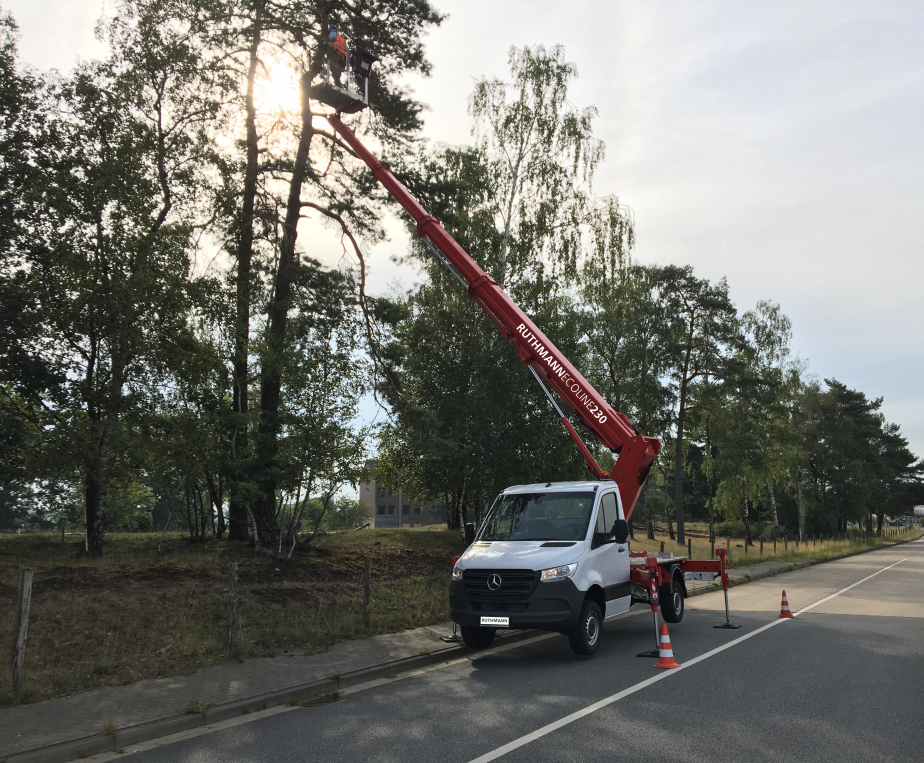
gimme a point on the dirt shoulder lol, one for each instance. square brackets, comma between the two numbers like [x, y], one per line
[137, 613]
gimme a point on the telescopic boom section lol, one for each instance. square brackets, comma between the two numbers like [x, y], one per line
[635, 453]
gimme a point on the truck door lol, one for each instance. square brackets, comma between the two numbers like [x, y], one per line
[612, 559]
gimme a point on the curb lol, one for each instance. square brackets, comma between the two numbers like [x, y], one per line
[143, 732]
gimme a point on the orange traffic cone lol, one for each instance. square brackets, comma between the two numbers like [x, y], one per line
[784, 607]
[666, 655]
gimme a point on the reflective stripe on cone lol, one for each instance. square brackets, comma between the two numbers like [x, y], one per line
[784, 608]
[666, 654]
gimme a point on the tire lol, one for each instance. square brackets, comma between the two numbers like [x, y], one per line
[671, 597]
[585, 638]
[477, 637]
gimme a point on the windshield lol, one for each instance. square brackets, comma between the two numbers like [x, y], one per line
[539, 516]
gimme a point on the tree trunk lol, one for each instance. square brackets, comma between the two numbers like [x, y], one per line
[880, 516]
[463, 505]
[776, 517]
[747, 520]
[709, 483]
[278, 314]
[869, 524]
[502, 276]
[237, 510]
[678, 448]
[449, 501]
[96, 490]
[711, 515]
[802, 536]
[649, 520]
[478, 505]
[667, 512]
[219, 508]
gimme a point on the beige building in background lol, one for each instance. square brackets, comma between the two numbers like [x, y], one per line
[389, 511]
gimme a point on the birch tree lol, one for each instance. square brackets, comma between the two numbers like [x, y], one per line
[542, 156]
[703, 321]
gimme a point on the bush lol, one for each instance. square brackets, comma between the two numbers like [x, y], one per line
[735, 529]
[729, 530]
[345, 514]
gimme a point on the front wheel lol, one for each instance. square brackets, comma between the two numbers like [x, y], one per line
[477, 637]
[585, 639]
[671, 596]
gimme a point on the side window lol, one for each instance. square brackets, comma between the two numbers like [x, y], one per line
[607, 514]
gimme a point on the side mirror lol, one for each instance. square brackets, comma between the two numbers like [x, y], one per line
[469, 534]
[621, 529]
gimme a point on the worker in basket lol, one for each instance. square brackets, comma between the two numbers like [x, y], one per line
[337, 55]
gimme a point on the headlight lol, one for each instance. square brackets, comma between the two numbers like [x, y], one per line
[456, 573]
[560, 572]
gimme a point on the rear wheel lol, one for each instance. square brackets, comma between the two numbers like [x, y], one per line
[477, 637]
[585, 638]
[671, 596]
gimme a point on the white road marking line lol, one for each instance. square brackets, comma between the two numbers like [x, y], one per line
[844, 590]
[555, 725]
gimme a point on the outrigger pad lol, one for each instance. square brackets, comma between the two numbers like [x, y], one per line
[337, 97]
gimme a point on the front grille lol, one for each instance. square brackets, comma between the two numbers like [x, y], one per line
[515, 584]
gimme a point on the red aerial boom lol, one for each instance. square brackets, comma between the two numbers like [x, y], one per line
[635, 453]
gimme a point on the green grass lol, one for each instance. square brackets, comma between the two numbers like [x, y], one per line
[137, 613]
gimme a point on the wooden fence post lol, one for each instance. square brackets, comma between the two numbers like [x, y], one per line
[367, 590]
[785, 542]
[761, 545]
[690, 548]
[21, 626]
[231, 638]
[662, 545]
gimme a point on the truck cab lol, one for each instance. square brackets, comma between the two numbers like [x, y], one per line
[551, 556]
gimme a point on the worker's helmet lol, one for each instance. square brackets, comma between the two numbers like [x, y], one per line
[332, 26]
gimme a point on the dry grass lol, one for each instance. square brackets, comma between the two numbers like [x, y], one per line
[137, 614]
[320, 700]
[740, 557]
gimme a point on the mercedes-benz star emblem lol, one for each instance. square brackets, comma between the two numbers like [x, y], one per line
[494, 582]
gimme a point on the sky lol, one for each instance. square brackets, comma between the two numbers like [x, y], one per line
[776, 144]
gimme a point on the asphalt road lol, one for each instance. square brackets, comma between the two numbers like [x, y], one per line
[840, 682]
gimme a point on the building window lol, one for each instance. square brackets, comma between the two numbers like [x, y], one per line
[391, 509]
[381, 510]
[405, 510]
[417, 510]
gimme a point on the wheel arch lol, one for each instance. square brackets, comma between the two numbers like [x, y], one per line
[595, 594]
[677, 574]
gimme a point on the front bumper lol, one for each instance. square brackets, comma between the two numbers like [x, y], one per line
[552, 606]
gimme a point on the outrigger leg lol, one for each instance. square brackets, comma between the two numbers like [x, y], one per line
[722, 553]
[653, 598]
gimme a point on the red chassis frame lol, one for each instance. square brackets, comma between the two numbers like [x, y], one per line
[647, 573]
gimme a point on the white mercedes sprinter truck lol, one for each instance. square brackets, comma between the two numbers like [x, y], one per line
[554, 557]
